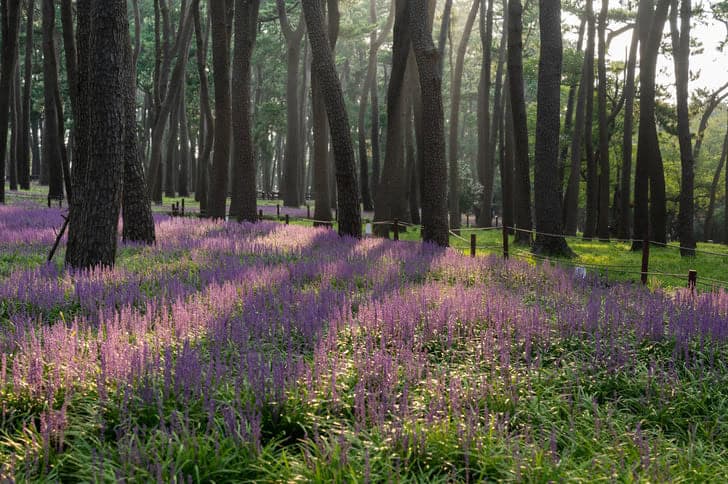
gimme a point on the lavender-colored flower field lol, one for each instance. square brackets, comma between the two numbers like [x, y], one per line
[235, 352]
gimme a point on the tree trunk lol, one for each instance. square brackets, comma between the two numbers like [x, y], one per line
[444, 34]
[171, 158]
[389, 204]
[9, 56]
[136, 205]
[603, 217]
[25, 140]
[681, 55]
[15, 114]
[649, 220]
[570, 103]
[485, 153]
[708, 226]
[51, 141]
[520, 123]
[625, 197]
[592, 172]
[547, 190]
[185, 153]
[349, 213]
[457, 79]
[244, 197]
[95, 224]
[293, 158]
[207, 142]
[434, 173]
[223, 115]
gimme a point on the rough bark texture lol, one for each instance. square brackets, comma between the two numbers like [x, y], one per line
[708, 226]
[223, 113]
[136, 205]
[25, 141]
[51, 141]
[457, 80]
[370, 84]
[95, 224]
[293, 158]
[244, 196]
[522, 180]
[349, 212]
[592, 172]
[681, 54]
[625, 195]
[10, 17]
[485, 151]
[389, 204]
[547, 190]
[208, 139]
[603, 209]
[434, 173]
[649, 216]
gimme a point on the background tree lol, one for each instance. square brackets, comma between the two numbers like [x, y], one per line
[547, 191]
[10, 18]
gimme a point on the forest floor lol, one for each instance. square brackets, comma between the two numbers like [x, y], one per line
[269, 353]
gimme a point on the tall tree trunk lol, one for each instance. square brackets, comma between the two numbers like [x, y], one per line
[485, 153]
[25, 140]
[95, 223]
[223, 114]
[681, 55]
[349, 212]
[571, 197]
[520, 122]
[625, 195]
[207, 142]
[708, 226]
[500, 95]
[546, 176]
[293, 158]
[457, 80]
[185, 161]
[603, 217]
[390, 193]
[171, 158]
[592, 172]
[434, 173]
[51, 141]
[570, 103]
[15, 114]
[10, 12]
[244, 197]
[444, 34]
[322, 192]
[136, 206]
[648, 221]
[376, 151]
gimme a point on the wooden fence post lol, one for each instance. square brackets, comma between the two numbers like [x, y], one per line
[505, 242]
[472, 245]
[260, 214]
[645, 260]
[396, 229]
[692, 279]
[287, 220]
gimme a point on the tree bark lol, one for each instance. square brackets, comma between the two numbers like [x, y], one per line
[592, 172]
[520, 123]
[625, 196]
[349, 212]
[603, 209]
[9, 56]
[389, 204]
[25, 141]
[649, 216]
[95, 224]
[708, 226]
[244, 196]
[457, 79]
[681, 55]
[292, 158]
[485, 153]
[206, 143]
[434, 173]
[548, 119]
[51, 140]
